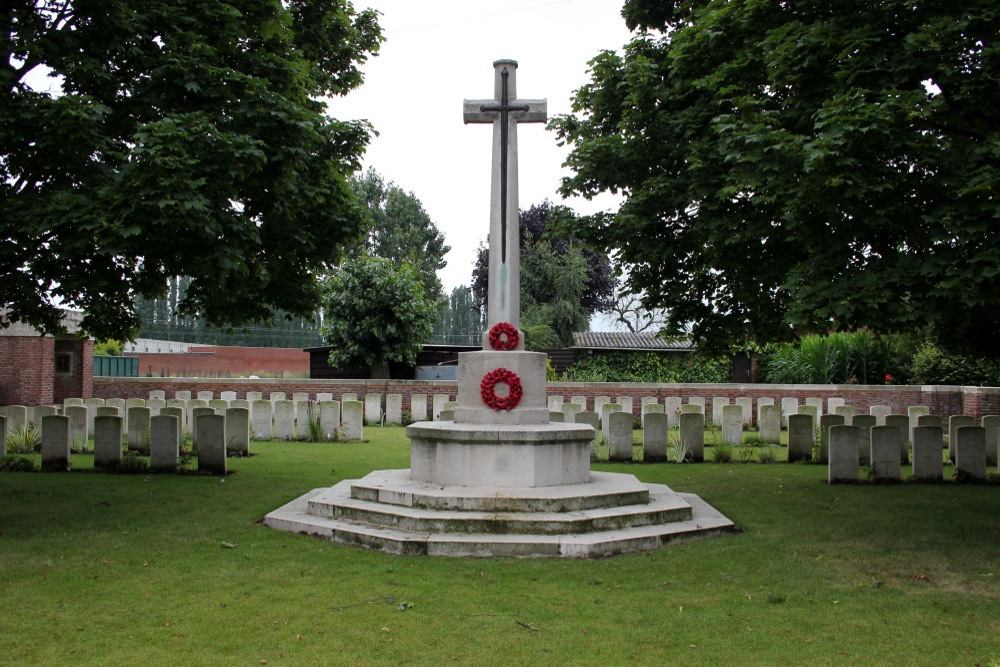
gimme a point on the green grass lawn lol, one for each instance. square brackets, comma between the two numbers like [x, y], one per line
[100, 569]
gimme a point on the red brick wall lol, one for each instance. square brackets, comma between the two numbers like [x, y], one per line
[26, 369]
[943, 401]
[205, 361]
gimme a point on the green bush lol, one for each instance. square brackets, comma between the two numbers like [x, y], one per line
[621, 366]
[24, 440]
[932, 365]
[859, 357]
[11, 463]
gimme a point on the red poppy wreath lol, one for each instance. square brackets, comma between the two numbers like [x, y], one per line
[504, 336]
[487, 389]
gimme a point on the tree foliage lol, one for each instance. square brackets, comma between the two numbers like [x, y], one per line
[562, 282]
[376, 312]
[185, 138]
[401, 229]
[461, 323]
[795, 167]
[859, 357]
[623, 366]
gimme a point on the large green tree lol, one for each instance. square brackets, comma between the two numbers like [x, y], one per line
[794, 167]
[401, 230]
[562, 282]
[376, 312]
[184, 138]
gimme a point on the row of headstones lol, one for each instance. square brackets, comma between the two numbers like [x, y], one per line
[615, 427]
[214, 435]
[886, 446]
[672, 406]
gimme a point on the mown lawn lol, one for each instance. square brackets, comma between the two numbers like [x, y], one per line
[100, 569]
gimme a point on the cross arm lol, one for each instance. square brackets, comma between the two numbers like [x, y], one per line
[537, 111]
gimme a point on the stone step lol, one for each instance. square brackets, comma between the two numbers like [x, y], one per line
[394, 487]
[706, 522]
[336, 503]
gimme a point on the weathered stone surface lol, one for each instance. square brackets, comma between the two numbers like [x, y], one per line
[276, 396]
[579, 400]
[108, 440]
[219, 405]
[205, 396]
[557, 417]
[717, 404]
[699, 401]
[394, 409]
[991, 424]
[593, 420]
[261, 420]
[555, 403]
[692, 435]
[654, 436]
[373, 408]
[212, 438]
[501, 456]
[801, 437]
[692, 408]
[237, 432]
[761, 402]
[826, 422]
[880, 412]
[570, 411]
[196, 414]
[954, 423]
[770, 423]
[418, 407]
[816, 402]
[329, 419]
[352, 414]
[600, 402]
[284, 420]
[228, 396]
[789, 406]
[606, 410]
[619, 436]
[832, 404]
[885, 449]
[746, 403]
[842, 453]
[164, 443]
[438, 404]
[78, 416]
[158, 394]
[928, 444]
[182, 395]
[970, 452]
[55, 443]
[350, 396]
[154, 405]
[626, 402]
[865, 424]
[732, 424]
[901, 422]
[138, 429]
[847, 412]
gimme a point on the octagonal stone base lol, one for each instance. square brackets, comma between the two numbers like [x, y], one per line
[499, 456]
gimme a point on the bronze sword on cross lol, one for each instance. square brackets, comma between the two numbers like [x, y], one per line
[505, 111]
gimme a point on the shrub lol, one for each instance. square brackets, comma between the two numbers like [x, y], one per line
[620, 366]
[840, 358]
[722, 452]
[932, 365]
[24, 440]
[11, 463]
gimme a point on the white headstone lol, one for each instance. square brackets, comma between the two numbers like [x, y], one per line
[789, 406]
[437, 405]
[261, 420]
[394, 409]
[55, 443]
[164, 443]
[353, 420]
[329, 418]
[373, 408]
[108, 441]
[284, 420]
[213, 434]
[237, 432]
[418, 407]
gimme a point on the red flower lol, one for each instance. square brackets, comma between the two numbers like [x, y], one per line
[487, 389]
[888, 379]
[504, 336]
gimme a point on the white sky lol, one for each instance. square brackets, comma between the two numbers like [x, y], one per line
[439, 52]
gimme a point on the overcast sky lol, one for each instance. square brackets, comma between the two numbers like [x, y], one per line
[438, 53]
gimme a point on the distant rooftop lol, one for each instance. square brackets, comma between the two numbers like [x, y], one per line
[614, 340]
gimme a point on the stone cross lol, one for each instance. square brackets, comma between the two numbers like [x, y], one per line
[504, 111]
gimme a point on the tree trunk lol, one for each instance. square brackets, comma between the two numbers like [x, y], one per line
[380, 370]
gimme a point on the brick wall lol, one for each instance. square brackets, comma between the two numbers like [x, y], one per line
[975, 401]
[26, 369]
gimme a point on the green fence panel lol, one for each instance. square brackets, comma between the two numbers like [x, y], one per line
[116, 366]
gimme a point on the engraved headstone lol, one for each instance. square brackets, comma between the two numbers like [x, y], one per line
[717, 404]
[928, 443]
[373, 408]
[865, 424]
[55, 443]
[164, 443]
[954, 423]
[394, 409]
[826, 422]
[902, 422]
[237, 432]
[353, 416]
[284, 420]
[746, 403]
[970, 452]
[418, 407]
[880, 412]
[789, 406]
[842, 453]
[261, 420]
[770, 424]
[329, 418]
[654, 436]
[692, 435]
[619, 435]
[108, 440]
[437, 405]
[138, 429]
[212, 433]
[801, 437]
[885, 449]
[672, 408]
[732, 424]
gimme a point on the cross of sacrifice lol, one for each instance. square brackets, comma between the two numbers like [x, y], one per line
[505, 111]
